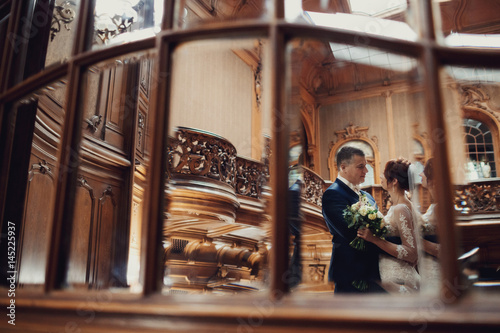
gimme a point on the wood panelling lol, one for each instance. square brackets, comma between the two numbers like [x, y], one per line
[486, 236]
[33, 244]
[82, 234]
[470, 16]
[114, 114]
[106, 222]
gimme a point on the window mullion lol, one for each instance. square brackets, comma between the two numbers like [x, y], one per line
[279, 164]
[153, 215]
[65, 194]
[445, 212]
[85, 31]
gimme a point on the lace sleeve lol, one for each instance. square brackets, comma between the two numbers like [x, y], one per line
[407, 251]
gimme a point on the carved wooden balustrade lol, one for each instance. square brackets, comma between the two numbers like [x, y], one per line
[313, 187]
[478, 197]
[250, 177]
[200, 153]
[478, 207]
[315, 239]
[216, 212]
[218, 226]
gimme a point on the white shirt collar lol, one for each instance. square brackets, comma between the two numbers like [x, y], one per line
[353, 187]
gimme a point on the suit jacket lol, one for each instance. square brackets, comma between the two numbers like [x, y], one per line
[348, 264]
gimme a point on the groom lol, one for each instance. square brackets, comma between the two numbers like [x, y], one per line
[348, 266]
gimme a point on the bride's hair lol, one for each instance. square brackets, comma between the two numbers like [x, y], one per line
[398, 169]
[429, 169]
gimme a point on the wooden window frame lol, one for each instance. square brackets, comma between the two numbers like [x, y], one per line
[278, 308]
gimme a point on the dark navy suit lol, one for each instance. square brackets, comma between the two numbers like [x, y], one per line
[348, 264]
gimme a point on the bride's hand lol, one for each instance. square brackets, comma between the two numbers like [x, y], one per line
[366, 234]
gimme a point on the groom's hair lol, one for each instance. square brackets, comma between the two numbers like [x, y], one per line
[346, 153]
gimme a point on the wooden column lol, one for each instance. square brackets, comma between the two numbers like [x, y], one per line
[390, 123]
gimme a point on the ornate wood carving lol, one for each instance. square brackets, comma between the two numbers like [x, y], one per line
[94, 122]
[474, 96]
[352, 132]
[317, 273]
[313, 187]
[141, 124]
[250, 177]
[483, 197]
[210, 263]
[146, 72]
[203, 154]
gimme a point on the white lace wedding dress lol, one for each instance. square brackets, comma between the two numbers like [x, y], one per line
[429, 267]
[398, 274]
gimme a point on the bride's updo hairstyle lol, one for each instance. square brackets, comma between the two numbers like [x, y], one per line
[398, 169]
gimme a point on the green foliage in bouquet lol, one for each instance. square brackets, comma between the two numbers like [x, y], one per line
[362, 214]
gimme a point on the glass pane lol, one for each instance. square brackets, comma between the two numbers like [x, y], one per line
[217, 228]
[470, 23]
[49, 37]
[370, 112]
[4, 22]
[114, 161]
[62, 31]
[192, 13]
[473, 94]
[388, 18]
[121, 21]
[38, 119]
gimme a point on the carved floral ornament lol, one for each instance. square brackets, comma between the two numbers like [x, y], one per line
[313, 189]
[308, 108]
[474, 96]
[477, 198]
[43, 167]
[353, 132]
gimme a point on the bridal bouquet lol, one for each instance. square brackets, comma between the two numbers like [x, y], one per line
[362, 214]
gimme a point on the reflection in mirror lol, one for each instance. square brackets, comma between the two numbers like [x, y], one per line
[47, 30]
[38, 119]
[114, 155]
[121, 21]
[191, 13]
[472, 109]
[470, 23]
[217, 228]
[394, 18]
[368, 105]
[62, 30]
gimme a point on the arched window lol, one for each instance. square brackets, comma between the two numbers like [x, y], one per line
[480, 152]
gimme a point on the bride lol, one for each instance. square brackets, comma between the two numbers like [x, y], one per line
[398, 259]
